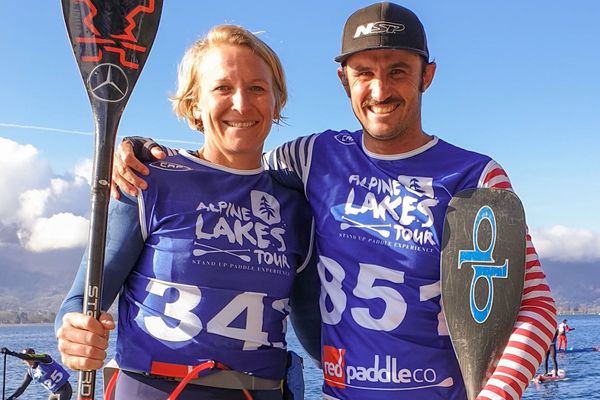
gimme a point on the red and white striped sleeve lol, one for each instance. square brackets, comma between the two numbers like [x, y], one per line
[536, 321]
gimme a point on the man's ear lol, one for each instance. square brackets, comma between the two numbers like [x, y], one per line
[344, 79]
[428, 75]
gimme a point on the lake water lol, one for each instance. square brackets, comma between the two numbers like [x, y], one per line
[583, 369]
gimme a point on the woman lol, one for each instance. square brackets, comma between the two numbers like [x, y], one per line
[206, 271]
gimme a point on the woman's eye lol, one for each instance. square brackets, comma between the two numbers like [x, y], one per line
[257, 89]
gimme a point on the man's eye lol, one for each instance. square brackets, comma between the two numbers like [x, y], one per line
[398, 71]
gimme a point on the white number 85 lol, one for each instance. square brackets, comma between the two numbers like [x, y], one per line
[395, 305]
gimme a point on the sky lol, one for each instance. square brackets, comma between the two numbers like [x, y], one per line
[517, 80]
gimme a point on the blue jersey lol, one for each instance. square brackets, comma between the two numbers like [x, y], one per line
[213, 280]
[378, 235]
[52, 376]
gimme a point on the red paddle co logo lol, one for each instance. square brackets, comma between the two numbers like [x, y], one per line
[334, 367]
[384, 369]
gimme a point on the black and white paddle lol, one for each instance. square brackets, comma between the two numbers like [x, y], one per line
[111, 40]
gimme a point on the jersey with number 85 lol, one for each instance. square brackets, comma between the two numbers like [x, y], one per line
[378, 234]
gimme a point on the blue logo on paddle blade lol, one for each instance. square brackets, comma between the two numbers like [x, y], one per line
[485, 271]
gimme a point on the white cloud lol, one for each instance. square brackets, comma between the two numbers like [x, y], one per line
[60, 231]
[83, 170]
[561, 243]
[39, 209]
[22, 169]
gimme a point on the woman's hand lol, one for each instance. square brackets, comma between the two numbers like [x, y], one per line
[83, 340]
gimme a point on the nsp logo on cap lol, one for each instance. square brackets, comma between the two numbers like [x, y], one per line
[375, 28]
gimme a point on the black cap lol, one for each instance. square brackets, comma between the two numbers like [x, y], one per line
[383, 26]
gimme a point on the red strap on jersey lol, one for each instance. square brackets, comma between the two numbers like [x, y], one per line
[186, 373]
[111, 385]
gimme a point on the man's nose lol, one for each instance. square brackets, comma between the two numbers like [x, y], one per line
[379, 89]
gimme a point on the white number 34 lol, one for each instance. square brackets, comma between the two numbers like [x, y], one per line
[190, 324]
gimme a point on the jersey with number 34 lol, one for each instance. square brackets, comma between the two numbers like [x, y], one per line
[222, 248]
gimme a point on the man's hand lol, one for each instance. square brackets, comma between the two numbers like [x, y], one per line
[4, 350]
[83, 340]
[126, 164]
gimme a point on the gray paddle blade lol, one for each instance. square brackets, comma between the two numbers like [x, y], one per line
[482, 277]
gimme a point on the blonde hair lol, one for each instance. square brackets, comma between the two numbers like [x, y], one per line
[188, 79]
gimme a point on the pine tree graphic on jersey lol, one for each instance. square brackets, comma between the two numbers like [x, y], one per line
[265, 208]
[414, 185]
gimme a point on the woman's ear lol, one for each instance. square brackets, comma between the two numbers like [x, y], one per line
[196, 112]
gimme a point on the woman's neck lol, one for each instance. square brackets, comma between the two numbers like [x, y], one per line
[235, 161]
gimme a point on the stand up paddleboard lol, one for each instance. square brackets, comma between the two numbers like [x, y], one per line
[562, 374]
[579, 350]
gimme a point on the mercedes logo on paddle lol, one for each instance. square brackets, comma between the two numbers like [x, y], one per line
[108, 82]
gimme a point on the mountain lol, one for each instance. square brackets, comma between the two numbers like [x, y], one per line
[39, 281]
[36, 281]
[573, 285]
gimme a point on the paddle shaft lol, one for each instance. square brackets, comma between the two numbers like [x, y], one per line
[4, 378]
[106, 129]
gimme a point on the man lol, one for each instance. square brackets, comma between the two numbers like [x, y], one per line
[379, 196]
[42, 369]
[563, 328]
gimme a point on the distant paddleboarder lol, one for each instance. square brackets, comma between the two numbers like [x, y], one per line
[563, 328]
[42, 369]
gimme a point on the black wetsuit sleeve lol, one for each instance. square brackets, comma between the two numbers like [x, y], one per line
[26, 381]
[124, 244]
[41, 358]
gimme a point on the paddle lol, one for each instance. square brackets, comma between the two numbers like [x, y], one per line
[4, 378]
[482, 275]
[111, 40]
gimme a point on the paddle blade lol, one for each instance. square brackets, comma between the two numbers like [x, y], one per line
[111, 40]
[482, 277]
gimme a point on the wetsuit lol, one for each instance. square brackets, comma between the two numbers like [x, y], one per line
[45, 371]
[378, 233]
[205, 264]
